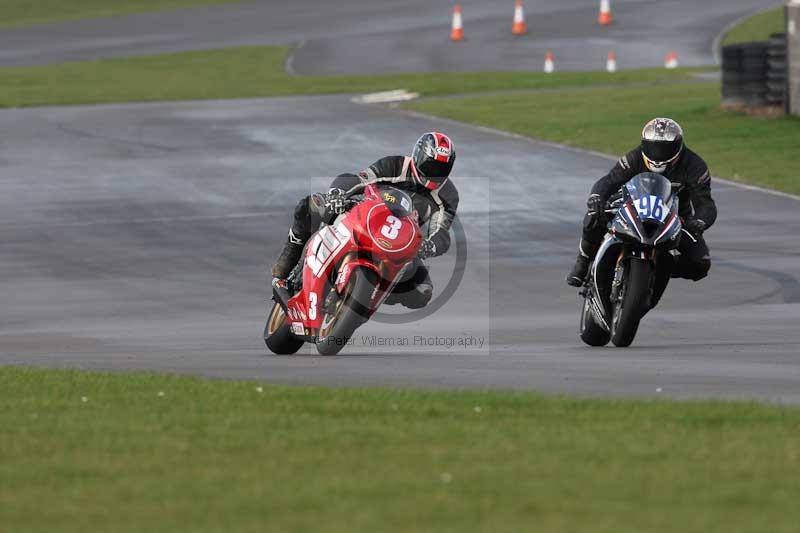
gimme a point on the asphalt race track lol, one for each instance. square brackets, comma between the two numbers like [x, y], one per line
[367, 36]
[138, 237]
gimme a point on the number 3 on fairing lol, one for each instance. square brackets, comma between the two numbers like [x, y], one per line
[651, 206]
[312, 306]
[392, 228]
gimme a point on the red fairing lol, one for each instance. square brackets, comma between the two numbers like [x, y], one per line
[391, 234]
[369, 236]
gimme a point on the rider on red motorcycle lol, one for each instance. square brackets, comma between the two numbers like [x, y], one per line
[424, 176]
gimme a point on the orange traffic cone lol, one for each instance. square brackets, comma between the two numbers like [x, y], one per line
[457, 31]
[519, 27]
[605, 17]
[549, 62]
[611, 62]
[671, 61]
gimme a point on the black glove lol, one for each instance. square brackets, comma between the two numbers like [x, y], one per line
[695, 226]
[426, 249]
[595, 206]
[335, 202]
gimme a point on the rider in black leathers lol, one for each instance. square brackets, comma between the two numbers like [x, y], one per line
[662, 151]
[424, 176]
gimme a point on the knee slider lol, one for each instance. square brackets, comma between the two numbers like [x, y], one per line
[699, 270]
[416, 299]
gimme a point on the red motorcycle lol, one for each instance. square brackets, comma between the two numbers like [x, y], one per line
[350, 268]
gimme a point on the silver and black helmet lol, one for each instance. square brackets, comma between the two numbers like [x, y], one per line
[662, 144]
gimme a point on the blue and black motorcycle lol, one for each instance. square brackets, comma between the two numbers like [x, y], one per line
[634, 263]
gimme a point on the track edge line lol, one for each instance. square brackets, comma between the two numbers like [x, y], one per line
[585, 151]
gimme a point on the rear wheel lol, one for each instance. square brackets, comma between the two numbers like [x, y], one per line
[347, 312]
[591, 332]
[631, 304]
[277, 333]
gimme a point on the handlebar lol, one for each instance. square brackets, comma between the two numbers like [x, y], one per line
[612, 206]
[357, 189]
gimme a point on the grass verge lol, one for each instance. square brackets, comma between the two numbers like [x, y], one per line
[256, 72]
[164, 453]
[594, 110]
[744, 148]
[26, 12]
[757, 28]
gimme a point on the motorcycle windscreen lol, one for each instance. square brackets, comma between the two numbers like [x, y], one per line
[398, 202]
[651, 195]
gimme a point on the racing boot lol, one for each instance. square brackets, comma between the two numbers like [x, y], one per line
[415, 297]
[419, 296]
[414, 293]
[578, 274]
[292, 251]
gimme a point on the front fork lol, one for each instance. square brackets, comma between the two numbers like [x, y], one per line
[625, 256]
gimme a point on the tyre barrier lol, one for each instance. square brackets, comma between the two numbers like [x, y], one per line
[754, 74]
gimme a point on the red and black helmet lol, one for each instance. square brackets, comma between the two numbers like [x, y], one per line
[433, 157]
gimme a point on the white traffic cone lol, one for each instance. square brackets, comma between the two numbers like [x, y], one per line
[611, 62]
[519, 27]
[549, 62]
[671, 61]
[605, 18]
[457, 28]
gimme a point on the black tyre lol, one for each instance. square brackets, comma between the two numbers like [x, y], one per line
[731, 93]
[777, 40]
[731, 52]
[631, 304]
[740, 78]
[277, 333]
[590, 331]
[776, 87]
[349, 311]
[755, 50]
[754, 65]
[776, 53]
[775, 99]
[774, 75]
[778, 66]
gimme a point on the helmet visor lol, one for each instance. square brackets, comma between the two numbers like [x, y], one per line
[435, 171]
[661, 152]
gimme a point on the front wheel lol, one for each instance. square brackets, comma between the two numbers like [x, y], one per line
[631, 304]
[591, 332]
[348, 312]
[277, 333]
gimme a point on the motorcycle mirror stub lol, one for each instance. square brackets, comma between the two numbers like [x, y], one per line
[398, 202]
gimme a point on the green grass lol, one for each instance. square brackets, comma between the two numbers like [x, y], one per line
[212, 456]
[594, 110]
[254, 72]
[26, 12]
[745, 148]
[757, 28]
